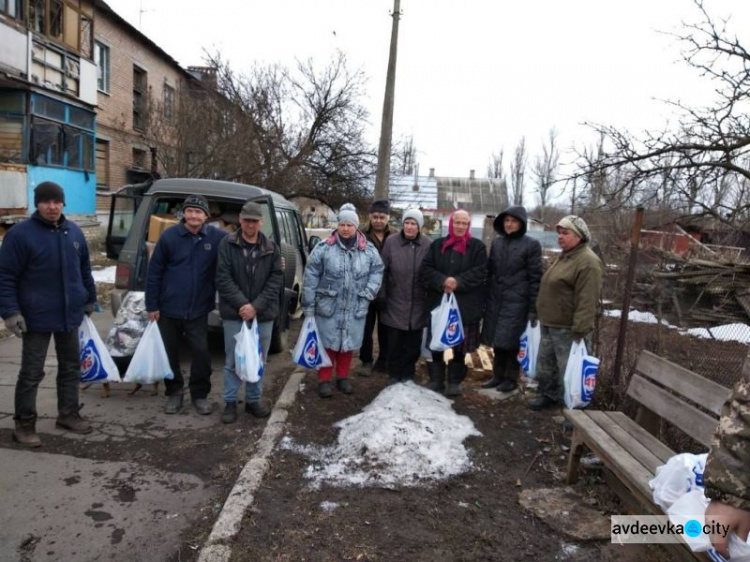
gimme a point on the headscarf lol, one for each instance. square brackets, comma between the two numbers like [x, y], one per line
[459, 244]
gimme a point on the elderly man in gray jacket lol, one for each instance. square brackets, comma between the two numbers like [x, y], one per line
[403, 310]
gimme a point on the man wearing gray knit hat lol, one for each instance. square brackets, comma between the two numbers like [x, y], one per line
[377, 232]
[566, 305]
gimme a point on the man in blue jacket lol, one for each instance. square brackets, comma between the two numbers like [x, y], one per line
[45, 288]
[180, 292]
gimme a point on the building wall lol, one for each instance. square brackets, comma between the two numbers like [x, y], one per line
[115, 109]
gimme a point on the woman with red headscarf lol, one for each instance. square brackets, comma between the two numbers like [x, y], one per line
[456, 263]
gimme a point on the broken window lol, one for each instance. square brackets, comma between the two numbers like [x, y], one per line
[139, 98]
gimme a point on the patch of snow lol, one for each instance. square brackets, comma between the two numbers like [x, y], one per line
[408, 436]
[328, 507]
[727, 332]
[636, 316]
[106, 275]
[569, 550]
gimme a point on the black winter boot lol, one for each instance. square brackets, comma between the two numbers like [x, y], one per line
[456, 373]
[436, 370]
[25, 433]
[499, 364]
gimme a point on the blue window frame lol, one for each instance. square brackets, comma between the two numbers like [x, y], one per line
[61, 134]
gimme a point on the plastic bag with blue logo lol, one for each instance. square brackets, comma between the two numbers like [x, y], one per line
[447, 328]
[308, 352]
[248, 353]
[528, 349]
[683, 473]
[580, 376]
[96, 362]
[150, 363]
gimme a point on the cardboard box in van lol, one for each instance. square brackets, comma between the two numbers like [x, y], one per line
[158, 224]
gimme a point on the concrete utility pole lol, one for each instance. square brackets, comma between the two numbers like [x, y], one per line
[386, 128]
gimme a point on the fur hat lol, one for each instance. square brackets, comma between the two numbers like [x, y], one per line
[48, 191]
[577, 225]
[381, 206]
[197, 202]
[348, 213]
[414, 214]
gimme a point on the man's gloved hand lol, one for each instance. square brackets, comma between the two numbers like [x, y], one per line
[88, 310]
[16, 324]
[533, 318]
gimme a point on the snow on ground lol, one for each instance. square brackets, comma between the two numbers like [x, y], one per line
[106, 275]
[727, 332]
[408, 436]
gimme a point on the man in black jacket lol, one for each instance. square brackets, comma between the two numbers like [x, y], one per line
[249, 278]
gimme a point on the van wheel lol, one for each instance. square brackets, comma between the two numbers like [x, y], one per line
[279, 340]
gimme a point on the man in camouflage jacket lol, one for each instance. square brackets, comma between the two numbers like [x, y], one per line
[727, 474]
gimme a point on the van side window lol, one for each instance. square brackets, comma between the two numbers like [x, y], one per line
[292, 229]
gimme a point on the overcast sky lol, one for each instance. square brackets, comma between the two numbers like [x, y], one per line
[473, 77]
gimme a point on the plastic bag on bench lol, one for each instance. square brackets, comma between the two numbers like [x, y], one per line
[580, 376]
[683, 473]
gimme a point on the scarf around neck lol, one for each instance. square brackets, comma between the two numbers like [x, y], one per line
[459, 243]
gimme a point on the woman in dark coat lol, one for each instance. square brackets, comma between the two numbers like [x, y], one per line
[456, 263]
[514, 270]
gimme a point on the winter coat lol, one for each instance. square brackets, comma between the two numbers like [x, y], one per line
[339, 285]
[570, 290]
[45, 274]
[469, 269]
[238, 286]
[181, 274]
[514, 270]
[375, 241]
[726, 477]
[402, 293]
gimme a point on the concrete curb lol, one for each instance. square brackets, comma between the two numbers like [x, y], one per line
[228, 523]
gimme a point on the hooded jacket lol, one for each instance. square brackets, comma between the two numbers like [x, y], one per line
[45, 274]
[514, 270]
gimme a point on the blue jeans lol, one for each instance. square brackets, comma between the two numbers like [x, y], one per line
[231, 381]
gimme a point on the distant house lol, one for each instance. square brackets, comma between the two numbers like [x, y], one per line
[697, 235]
[439, 196]
[315, 214]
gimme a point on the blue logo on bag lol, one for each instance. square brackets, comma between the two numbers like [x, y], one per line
[523, 356]
[453, 334]
[588, 379]
[310, 355]
[91, 363]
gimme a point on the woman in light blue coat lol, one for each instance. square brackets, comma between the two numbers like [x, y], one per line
[342, 276]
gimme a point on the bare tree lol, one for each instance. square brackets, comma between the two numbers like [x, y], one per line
[495, 168]
[545, 169]
[296, 132]
[701, 164]
[404, 157]
[518, 173]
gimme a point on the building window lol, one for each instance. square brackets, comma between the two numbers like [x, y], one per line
[102, 164]
[61, 135]
[168, 102]
[101, 59]
[139, 98]
[12, 126]
[12, 8]
[139, 159]
[55, 69]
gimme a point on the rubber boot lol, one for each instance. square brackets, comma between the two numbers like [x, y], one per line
[456, 373]
[499, 364]
[436, 370]
[25, 433]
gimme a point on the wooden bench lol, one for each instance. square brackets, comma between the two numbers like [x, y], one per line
[632, 450]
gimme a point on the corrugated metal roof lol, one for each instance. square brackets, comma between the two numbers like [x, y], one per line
[484, 195]
[403, 194]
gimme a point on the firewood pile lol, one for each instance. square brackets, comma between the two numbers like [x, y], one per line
[696, 290]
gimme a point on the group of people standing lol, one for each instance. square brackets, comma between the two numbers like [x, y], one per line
[399, 277]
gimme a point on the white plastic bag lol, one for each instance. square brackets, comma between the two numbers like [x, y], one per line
[683, 473]
[580, 376]
[447, 328]
[248, 353]
[150, 363]
[688, 507]
[308, 352]
[96, 362]
[529, 349]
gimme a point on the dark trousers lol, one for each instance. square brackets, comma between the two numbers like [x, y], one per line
[459, 357]
[404, 348]
[195, 332]
[505, 364]
[366, 351]
[33, 354]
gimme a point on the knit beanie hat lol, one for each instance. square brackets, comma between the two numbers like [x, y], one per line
[577, 225]
[48, 191]
[348, 213]
[414, 214]
[381, 206]
[197, 202]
